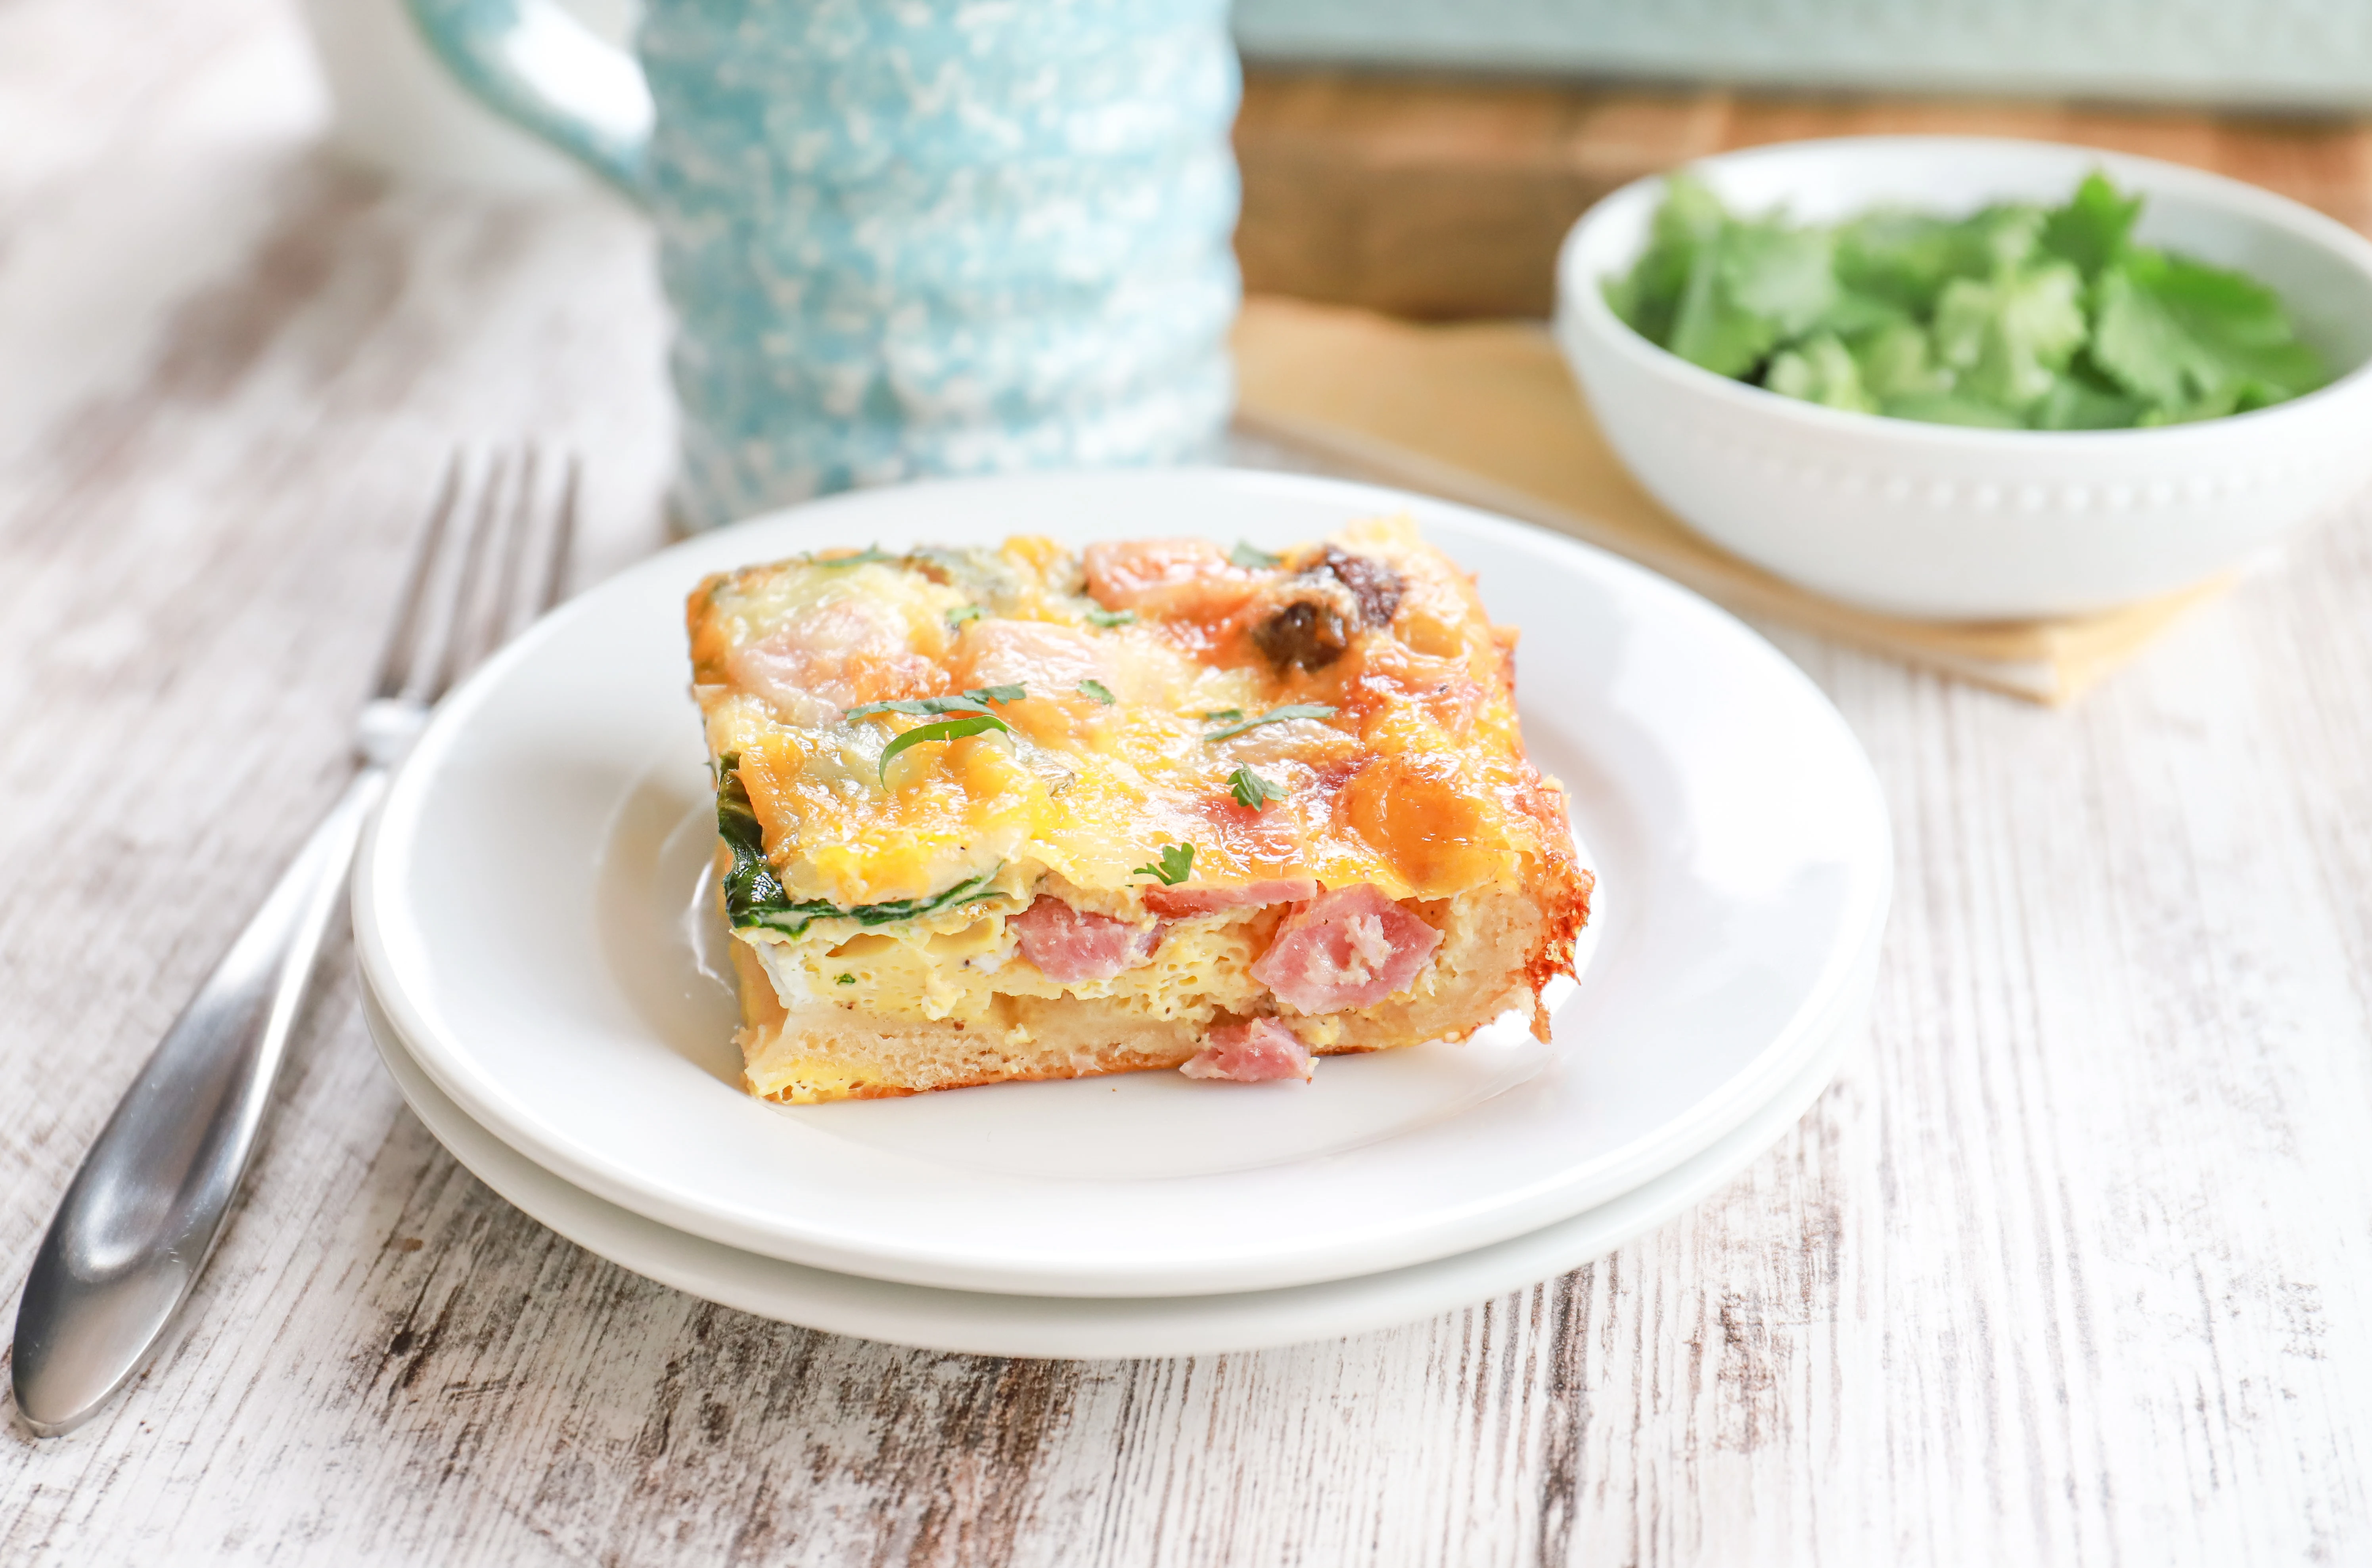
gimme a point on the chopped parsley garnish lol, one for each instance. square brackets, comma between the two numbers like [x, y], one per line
[872, 554]
[1253, 558]
[1275, 715]
[1098, 691]
[754, 896]
[1223, 715]
[970, 709]
[1176, 863]
[975, 701]
[845, 980]
[1111, 617]
[963, 613]
[1252, 790]
[2016, 318]
[945, 729]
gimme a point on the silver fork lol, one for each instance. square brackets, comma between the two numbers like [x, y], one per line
[134, 1229]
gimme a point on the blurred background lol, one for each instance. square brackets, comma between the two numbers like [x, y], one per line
[267, 224]
[296, 206]
[1425, 156]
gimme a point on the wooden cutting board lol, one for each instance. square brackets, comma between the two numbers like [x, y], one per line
[1432, 197]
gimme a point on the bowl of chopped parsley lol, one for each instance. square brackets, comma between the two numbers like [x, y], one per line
[1970, 378]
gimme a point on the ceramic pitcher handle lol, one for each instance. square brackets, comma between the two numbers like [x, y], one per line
[533, 62]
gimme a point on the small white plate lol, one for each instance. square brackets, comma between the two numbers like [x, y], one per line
[528, 912]
[994, 1323]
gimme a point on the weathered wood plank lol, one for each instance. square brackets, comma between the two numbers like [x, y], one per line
[1434, 195]
[2064, 1268]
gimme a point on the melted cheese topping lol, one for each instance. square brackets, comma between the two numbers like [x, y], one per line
[1416, 784]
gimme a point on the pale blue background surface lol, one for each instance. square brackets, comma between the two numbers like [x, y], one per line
[2303, 53]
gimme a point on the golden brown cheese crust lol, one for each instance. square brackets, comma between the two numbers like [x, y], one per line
[1415, 784]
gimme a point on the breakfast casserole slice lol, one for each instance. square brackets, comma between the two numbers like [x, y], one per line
[996, 814]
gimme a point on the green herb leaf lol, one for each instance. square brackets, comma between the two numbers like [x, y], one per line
[975, 701]
[872, 554]
[963, 613]
[1822, 371]
[1176, 863]
[845, 980]
[2092, 230]
[1253, 558]
[2084, 400]
[1750, 285]
[1853, 316]
[1223, 714]
[2179, 332]
[1111, 617]
[2008, 339]
[945, 729]
[1252, 790]
[1784, 275]
[1098, 691]
[1275, 715]
[1709, 327]
[1895, 362]
[1648, 296]
[1903, 259]
[918, 707]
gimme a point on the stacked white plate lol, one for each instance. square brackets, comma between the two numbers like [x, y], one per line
[543, 973]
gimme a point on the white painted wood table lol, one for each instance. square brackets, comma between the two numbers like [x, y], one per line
[2073, 1263]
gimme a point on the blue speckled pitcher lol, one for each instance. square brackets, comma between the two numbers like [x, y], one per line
[905, 236]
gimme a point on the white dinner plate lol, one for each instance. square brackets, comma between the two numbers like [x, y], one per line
[996, 1323]
[529, 912]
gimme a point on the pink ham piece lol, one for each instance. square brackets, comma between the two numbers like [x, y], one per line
[1180, 903]
[834, 658]
[1258, 1052]
[1350, 947]
[1188, 578]
[1071, 945]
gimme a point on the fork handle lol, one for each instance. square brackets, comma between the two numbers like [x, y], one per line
[135, 1227]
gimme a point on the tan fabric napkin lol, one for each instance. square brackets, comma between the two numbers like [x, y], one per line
[1486, 413]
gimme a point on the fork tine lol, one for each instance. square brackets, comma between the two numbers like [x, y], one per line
[396, 661]
[465, 596]
[457, 644]
[499, 628]
[564, 539]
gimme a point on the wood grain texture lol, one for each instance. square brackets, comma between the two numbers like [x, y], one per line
[1434, 196]
[2069, 1267]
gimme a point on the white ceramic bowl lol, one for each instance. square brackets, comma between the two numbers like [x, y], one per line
[1949, 523]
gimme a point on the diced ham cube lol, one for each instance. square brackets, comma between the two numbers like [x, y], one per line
[1072, 946]
[1178, 903]
[1347, 948]
[1256, 1052]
